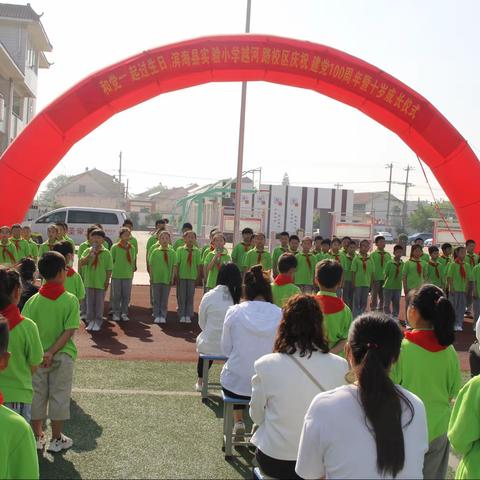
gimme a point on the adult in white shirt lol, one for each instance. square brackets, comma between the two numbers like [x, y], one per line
[211, 314]
[372, 428]
[300, 344]
[248, 334]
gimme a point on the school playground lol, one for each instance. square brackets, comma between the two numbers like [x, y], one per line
[134, 410]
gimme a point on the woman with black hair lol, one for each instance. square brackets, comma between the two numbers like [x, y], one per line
[27, 268]
[211, 313]
[372, 428]
[428, 366]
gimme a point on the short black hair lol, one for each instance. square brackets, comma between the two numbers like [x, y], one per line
[161, 221]
[378, 238]
[353, 242]
[329, 273]
[326, 241]
[64, 248]
[3, 335]
[419, 238]
[445, 246]
[317, 238]
[346, 238]
[187, 226]
[284, 234]
[128, 222]
[51, 264]
[468, 242]
[336, 240]
[432, 249]
[247, 230]
[98, 233]
[364, 241]
[286, 262]
[293, 237]
[16, 225]
[397, 247]
[27, 268]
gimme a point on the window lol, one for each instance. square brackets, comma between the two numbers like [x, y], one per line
[82, 188]
[53, 217]
[90, 217]
[17, 106]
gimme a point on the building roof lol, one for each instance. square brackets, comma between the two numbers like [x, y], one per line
[107, 181]
[23, 12]
[365, 197]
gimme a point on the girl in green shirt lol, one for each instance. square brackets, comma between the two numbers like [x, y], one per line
[214, 260]
[458, 277]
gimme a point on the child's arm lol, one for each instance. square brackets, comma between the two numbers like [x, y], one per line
[84, 260]
[107, 279]
[212, 263]
[338, 347]
[58, 345]
[199, 274]
[404, 282]
[174, 274]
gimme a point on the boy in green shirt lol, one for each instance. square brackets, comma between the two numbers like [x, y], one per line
[279, 250]
[209, 247]
[458, 275]
[7, 249]
[471, 259]
[124, 259]
[306, 262]
[324, 249]
[413, 270]
[180, 242]
[362, 278]
[32, 244]
[240, 250]
[81, 250]
[434, 271]
[283, 287]
[97, 263]
[446, 257]
[47, 246]
[424, 256]
[317, 244]
[380, 258]
[392, 286]
[73, 281]
[347, 290]
[293, 244]
[214, 260]
[336, 314]
[345, 244]
[62, 234]
[18, 457]
[338, 256]
[129, 224]
[22, 248]
[161, 263]
[56, 313]
[258, 255]
[187, 273]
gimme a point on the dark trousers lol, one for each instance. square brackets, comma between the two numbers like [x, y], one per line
[200, 367]
[474, 352]
[228, 393]
[281, 469]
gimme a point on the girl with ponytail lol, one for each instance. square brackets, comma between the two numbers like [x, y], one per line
[371, 428]
[428, 366]
[24, 346]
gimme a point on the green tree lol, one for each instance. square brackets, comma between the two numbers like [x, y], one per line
[419, 219]
[316, 219]
[47, 197]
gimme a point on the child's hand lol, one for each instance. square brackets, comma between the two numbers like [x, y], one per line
[47, 360]
[106, 285]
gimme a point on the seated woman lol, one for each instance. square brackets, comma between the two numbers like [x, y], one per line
[301, 364]
[372, 428]
[248, 334]
[211, 313]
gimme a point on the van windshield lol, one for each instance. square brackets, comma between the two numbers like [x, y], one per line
[90, 217]
[53, 217]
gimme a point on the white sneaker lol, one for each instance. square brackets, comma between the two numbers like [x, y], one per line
[199, 385]
[40, 443]
[59, 444]
[158, 320]
[90, 326]
[163, 320]
[187, 320]
[458, 329]
[125, 318]
[182, 319]
[96, 326]
[239, 429]
[116, 317]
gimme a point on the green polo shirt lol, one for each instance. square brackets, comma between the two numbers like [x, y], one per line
[45, 247]
[152, 240]
[363, 278]
[213, 273]
[471, 259]
[281, 293]
[476, 279]
[179, 242]
[66, 238]
[410, 272]
[336, 257]
[186, 270]
[74, 285]
[161, 268]
[432, 376]
[26, 351]
[322, 256]
[277, 253]
[239, 254]
[53, 317]
[205, 250]
[347, 270]
[376, 256]
[96, 276]
[425, 258]
[459, 284]
[445, 261]
[18, 452]
[393, 275]
[22, 248]
[305, 273]
[431, 273]
[32, 249]
[252, 257]
[122, 268]
[8, 254]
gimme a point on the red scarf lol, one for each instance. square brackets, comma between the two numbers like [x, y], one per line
[12, 314]
[190, 257]
[433, 264]
[6, 252]
[127, 248]
[1, 398]
[165, 255]
[307, 258]
[398, 265]
[246, 247]
[382, 257]
[330, 305]
[419, 266]
[51, 290]
[471, 257]
[70, 272]
[95, 259]
[463, 273]
[16, 241]
[282, 279]
[364, 263]
[337, 257]
[425, 339]
[259, 257]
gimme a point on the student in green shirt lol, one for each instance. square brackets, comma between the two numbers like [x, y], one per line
[464, 430]
[294, 244]
[413, 270]
[338, 256]
[56, 313]
[214, 260]
[279, 250]
[434, 271]
[7, 249]
[22, 248]
[209, 247]
[32, 244]
[180, 242]
[124, 258]
[458, 275]
[97, 263]
[362, 278]
[18, 456]
[25, 347]
[258, 255]
[424, 256]
[62, 233]
[306, 261]
[392, 285]
[317, 244]
[337, 316]
[73, 281]
[446, 256]
[187, 272]
[160, 226]
[380, 258]
[324, 249]
[345, 244]
[129, 224]
[240, 250]
[428, 366]
[283, 287]
[347, 290]
[81, 270]
[47, 246]
[471, 259]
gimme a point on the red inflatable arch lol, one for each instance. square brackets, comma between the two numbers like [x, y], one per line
[234, 58]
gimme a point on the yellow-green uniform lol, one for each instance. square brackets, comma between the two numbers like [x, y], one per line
[74, 284]
[95, 271]
[305, 269]
[414, 274]
[22, 248]
[276, 254]
[256, 257]
[187, 261]
[239, 255]
[7, 254]
[45, 247]
[220, 259]
[435, 273]
[66, 238]
[471, 259]
[338, 257]
[161, 262]
[33, 249]
[124, 260]
[281, 293]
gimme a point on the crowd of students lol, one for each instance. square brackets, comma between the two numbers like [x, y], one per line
[370, 401]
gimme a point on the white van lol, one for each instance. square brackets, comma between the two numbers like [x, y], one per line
[79, 219]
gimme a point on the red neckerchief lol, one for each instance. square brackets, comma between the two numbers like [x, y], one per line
[127, 248]
[12, 314]
[6, 252]
[51, 290]
[70, 272]
[364, 262]
[397, 273]
[283, 279]
[95, 259]
[165, 255]
[470, 256]
[16, 241]
[259, 256]
[382, 257]
[419, 265]
[246, 247]
[1, 398]
[190, 256]
[425, 339]
[330, 305]
[336, 256]
[463, 273]
[307, 258]
[433, 264]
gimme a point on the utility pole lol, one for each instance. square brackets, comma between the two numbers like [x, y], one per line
[241, 138]
[338, 185]
[389, 166]
[120, 168]
[404, 213]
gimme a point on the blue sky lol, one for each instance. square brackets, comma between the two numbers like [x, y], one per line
[191, 135]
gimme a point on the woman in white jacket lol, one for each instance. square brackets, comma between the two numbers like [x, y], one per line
[248, 333]
[211, 314]
[286, 381]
